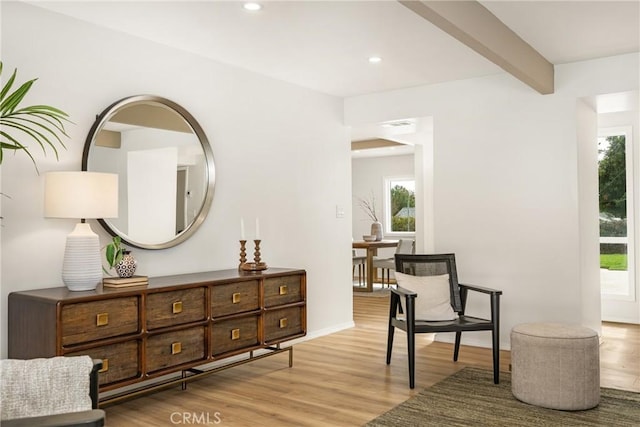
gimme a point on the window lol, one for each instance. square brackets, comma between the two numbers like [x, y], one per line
[400, 205]
[615, 173]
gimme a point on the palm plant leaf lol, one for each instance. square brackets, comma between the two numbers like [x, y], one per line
[42, 124]
[53, 119]
[9, 83]
[13, 145]
[11, 102]
[37, 136]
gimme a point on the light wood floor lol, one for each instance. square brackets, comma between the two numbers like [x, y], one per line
[340, 379]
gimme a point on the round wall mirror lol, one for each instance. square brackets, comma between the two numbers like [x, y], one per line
[165, 167]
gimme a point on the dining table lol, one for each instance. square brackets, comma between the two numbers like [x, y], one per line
[372, 250]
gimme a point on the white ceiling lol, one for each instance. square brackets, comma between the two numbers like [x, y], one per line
[325, 45]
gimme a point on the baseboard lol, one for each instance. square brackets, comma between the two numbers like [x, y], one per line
[323, 332]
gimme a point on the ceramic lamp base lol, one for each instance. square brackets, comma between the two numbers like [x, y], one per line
[82, 266]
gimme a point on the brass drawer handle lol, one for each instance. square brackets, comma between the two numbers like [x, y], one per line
[283, 323]
[235, 298]
[176, 307]
[176, 348]
[283, 290]
[102, 319]
[105, 366]
[235, 334]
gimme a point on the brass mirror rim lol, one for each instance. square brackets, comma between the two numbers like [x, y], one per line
[208, 155]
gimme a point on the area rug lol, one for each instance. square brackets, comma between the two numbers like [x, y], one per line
[469, 398]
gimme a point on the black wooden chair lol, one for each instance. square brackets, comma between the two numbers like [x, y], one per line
[438, 265]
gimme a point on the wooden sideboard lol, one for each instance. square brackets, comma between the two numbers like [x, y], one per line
[174, 324]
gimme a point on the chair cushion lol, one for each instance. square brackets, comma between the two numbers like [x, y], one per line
[433, 299]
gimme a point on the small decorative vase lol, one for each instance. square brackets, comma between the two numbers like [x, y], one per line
[376, 230]
[127, 265]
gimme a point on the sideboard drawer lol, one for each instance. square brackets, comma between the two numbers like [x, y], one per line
[90, 321]
[175, 348]
[282, 290]
[119, 361]
[235, 298]
[234, 334]
[283, 323]
[175, 307]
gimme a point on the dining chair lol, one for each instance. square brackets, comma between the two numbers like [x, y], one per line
[405, 246]
[360, 262]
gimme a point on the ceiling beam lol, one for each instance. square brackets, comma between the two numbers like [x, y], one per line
[472, 24]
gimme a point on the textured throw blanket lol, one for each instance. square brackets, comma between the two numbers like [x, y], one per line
[35, 387]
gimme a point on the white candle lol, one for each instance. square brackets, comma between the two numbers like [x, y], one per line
[257, 229]
[242, 229]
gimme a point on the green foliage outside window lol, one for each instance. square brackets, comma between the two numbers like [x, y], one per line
[403, 204]
[403, 224]
[612, 179]
[613, 261]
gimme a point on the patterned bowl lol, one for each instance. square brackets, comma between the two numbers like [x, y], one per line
[369, 238]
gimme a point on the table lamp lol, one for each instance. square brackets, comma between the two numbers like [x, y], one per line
[81, 195]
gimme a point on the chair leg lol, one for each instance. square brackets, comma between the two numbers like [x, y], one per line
[393, 308]
[496, 357]
[456, 348]
[411, 350]
[411, 339]
[390, 334]
[495, 335]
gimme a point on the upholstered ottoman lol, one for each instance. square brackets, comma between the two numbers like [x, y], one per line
[555, 365]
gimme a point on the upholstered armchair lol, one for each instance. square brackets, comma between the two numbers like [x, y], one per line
[58, 391]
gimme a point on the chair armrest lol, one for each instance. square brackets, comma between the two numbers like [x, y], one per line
[403, 292]
[482, 289]
[94, 382]
[91, 418]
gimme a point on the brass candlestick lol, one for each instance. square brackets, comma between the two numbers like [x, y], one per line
[257, 264]
[243, 253]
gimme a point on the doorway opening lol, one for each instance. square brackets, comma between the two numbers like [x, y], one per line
[616, 189]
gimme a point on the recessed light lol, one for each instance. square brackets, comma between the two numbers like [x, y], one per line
[397, 123]
[375, 59]
[253, 7]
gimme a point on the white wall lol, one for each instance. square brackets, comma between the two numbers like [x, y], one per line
[281, 152]
[506, 183]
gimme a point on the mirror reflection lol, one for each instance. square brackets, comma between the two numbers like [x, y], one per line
[165, 169]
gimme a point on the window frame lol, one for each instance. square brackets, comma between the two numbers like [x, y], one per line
[627, 131]
[386, 213]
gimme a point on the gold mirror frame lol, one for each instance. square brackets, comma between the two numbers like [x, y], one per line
[120, 105]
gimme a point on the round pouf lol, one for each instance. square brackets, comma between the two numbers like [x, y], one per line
[555, 365]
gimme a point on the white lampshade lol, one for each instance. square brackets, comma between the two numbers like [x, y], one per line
[81, 195]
